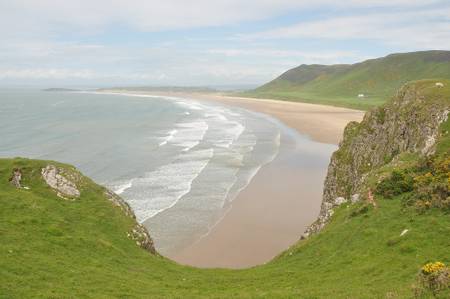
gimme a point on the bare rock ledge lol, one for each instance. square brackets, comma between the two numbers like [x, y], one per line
[65, 188]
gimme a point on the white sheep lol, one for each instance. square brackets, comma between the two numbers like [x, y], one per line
[439, 84]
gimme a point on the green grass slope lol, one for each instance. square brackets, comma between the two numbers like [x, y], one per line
[339, 85]
[53, 248]
[57, 249]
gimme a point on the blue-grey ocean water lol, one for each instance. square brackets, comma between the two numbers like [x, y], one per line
[160, 154]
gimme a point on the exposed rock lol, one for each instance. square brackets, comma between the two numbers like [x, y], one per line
[355, 198]
[119, 202]
[408, 123]
[339, 200]
[16, 177]
[65, 188]
[431, 140]
[139, 233]
[64, 183]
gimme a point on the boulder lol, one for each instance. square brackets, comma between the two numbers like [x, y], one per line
[65, 188]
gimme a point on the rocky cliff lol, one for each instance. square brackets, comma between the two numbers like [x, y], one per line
[409, 123]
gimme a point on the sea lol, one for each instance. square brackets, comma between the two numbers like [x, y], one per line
[178, 162]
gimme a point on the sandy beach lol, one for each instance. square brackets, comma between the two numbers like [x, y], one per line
[272, 212]
[320, 122]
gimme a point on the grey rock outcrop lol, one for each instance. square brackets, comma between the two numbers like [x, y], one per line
[408, 123]
[16, 178]
[119, 202]
[139, 233]
[63, 183]
[355, 198]
[142, 238]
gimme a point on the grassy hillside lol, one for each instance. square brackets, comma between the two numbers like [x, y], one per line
[340, 85]
[54, 248]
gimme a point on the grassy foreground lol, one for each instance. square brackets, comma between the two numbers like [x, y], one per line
[79, 249]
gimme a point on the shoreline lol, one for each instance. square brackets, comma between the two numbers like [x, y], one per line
[322, 123]
[282, 199]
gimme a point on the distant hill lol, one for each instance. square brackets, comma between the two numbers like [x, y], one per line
[360, 85]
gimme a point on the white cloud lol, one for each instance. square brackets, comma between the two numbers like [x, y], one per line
[428, 29]
[274, 54]
[45, 74]
[82, 75]
[153, 15]
[38, 40]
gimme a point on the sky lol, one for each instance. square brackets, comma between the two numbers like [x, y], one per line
[59, 43]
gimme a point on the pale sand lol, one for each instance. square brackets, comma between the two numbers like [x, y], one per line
[282, 199]
[320, 122]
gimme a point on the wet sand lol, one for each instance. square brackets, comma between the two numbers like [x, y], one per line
[267, 217]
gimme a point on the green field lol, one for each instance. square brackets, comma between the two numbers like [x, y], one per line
[340, 85]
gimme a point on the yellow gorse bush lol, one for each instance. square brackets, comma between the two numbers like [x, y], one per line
[431, 268]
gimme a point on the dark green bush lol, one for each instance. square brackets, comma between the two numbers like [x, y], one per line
[397, 183]
[424, 186]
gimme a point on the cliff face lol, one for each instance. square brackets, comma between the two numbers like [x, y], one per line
[408, 123]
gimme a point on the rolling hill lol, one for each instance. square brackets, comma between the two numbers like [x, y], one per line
[340, 85]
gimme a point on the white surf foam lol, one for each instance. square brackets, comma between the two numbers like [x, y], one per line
[123, 187]
[228, 131]
[169, 137]
[161, 189]
[190, 134]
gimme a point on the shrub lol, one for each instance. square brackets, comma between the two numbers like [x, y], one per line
[433, 277]
[432, 187]
[429, 181]
[397, 183]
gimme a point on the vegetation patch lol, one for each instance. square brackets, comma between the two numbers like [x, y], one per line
[433, 279]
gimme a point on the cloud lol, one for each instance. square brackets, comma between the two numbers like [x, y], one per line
[78, 75]
[152, 15]
[274, 54]
[101, 40]
[419, 29]
[45, 74]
